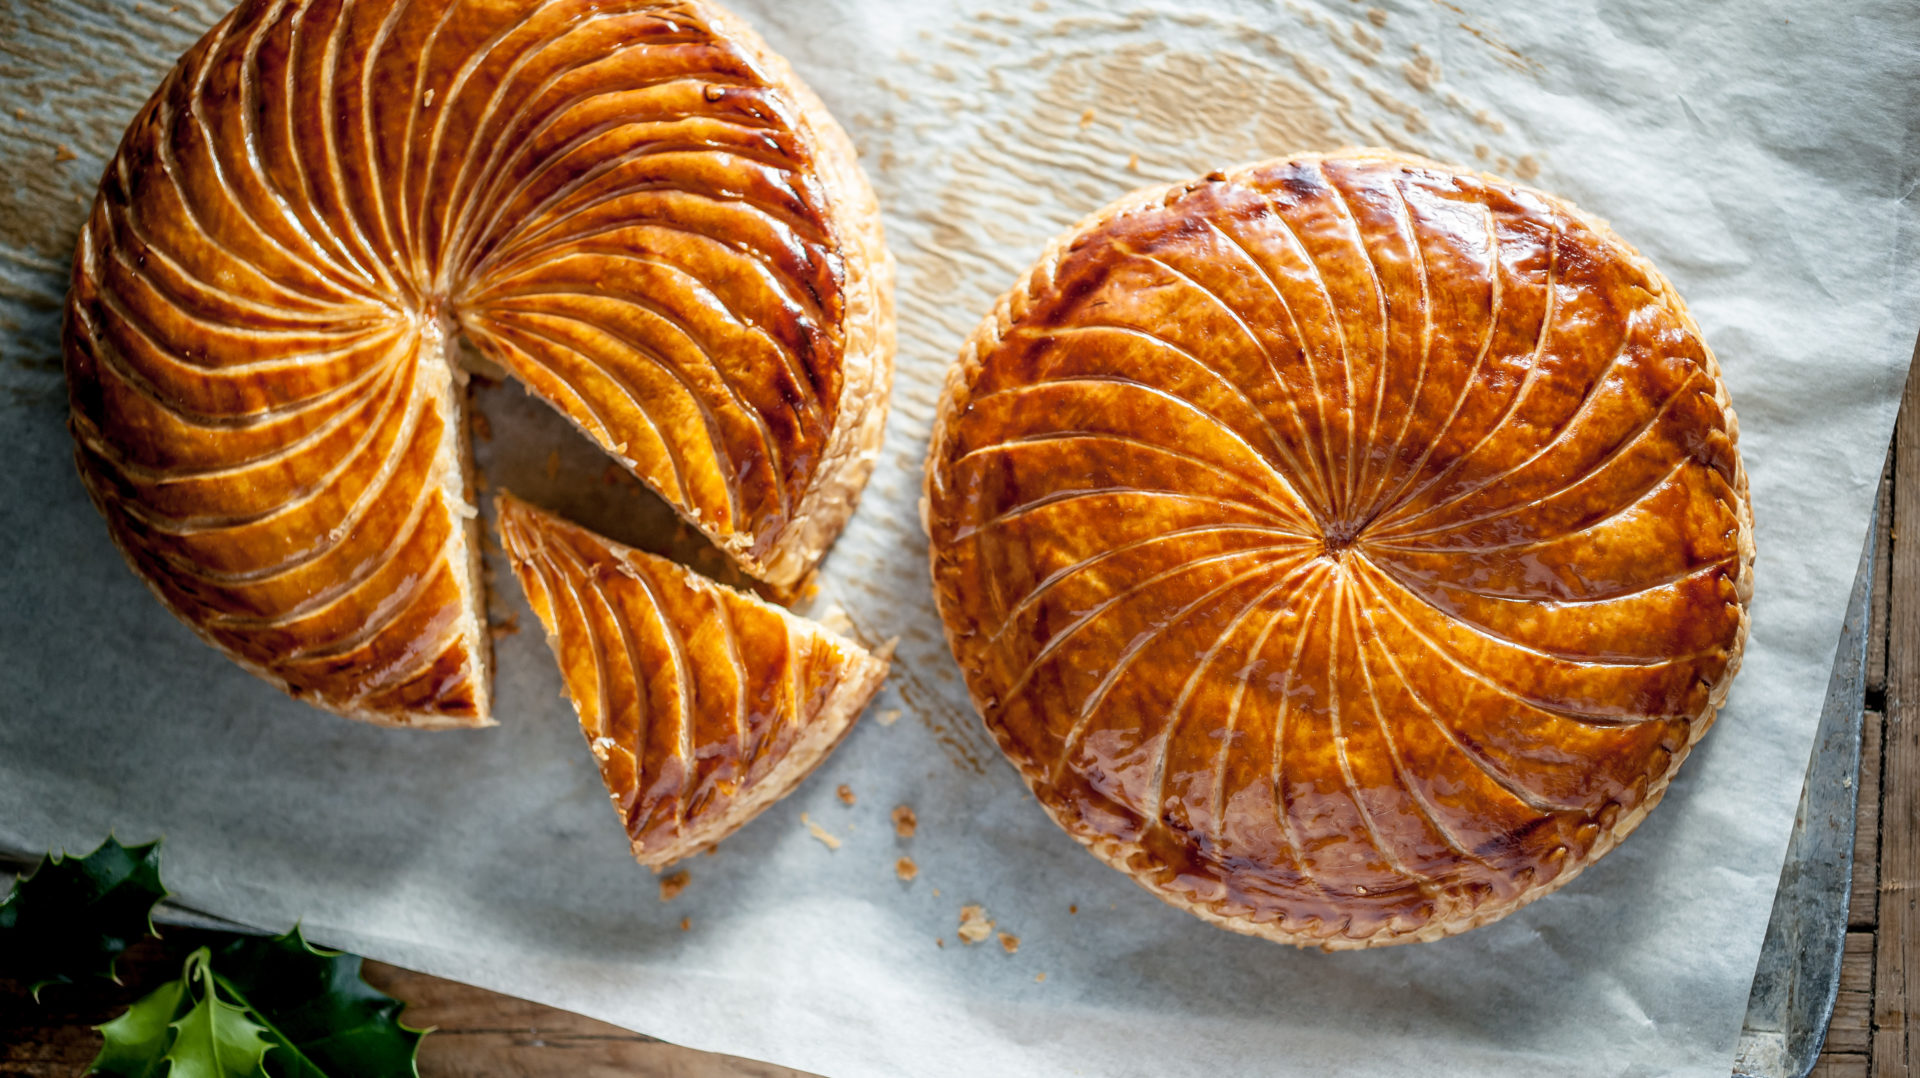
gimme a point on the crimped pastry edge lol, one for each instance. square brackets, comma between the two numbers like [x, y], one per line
[866, 376]
[866, 672]
[1012, 306]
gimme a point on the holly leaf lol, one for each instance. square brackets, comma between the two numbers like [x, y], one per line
[322, 1018]
[214, 1039]
[137, 1040]
[187, 1028]
[74, 916]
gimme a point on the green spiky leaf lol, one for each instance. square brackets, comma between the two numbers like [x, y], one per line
[306, 1011]
[323, 1019]
[73, 916]
[137, 1040]
[214, 1039]
[186, 1029]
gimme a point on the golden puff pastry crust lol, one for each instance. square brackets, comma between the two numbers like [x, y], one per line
[632, 205]
[1348, 548]
[703, 705]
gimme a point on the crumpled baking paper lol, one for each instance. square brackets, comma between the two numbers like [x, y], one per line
[1762, 153]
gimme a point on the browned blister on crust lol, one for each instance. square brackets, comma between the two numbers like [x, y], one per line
[1348, 548]
[631, 205]
[703, 705]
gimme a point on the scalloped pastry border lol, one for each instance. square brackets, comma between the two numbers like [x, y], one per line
[867, 353]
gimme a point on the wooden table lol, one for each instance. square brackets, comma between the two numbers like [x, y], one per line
[1873, 1033]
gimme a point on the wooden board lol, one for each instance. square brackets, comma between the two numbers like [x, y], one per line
[1897, 931]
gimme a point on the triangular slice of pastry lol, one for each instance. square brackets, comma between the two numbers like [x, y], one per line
[703, 704]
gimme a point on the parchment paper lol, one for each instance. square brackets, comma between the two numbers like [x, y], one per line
[1762, 153]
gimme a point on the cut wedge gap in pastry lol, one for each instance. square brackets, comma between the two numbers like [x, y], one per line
[701, 704]
[633, 207]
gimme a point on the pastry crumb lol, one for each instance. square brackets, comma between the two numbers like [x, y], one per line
[889, 716]
[975, 926]
[845, 794]
[905, 823]
[1073, 909]
[905, 868]
[482, 426]
[671, 886]
[64, 153]
[936, 892]
[1040, 978]
[821, 833]
[940, 941]
[1133, 162]
[1009, 942]
[506, 626]
[1086, 118]
[687, 923]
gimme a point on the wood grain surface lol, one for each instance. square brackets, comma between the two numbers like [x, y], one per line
[483, 1035]
[1892, 1053]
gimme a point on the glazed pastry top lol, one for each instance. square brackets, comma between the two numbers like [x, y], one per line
[701, 704]
[1346, 547]
[630, 205]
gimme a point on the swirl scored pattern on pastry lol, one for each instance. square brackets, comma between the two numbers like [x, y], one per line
[1347, 548]
[703, 705]
[631, 205]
